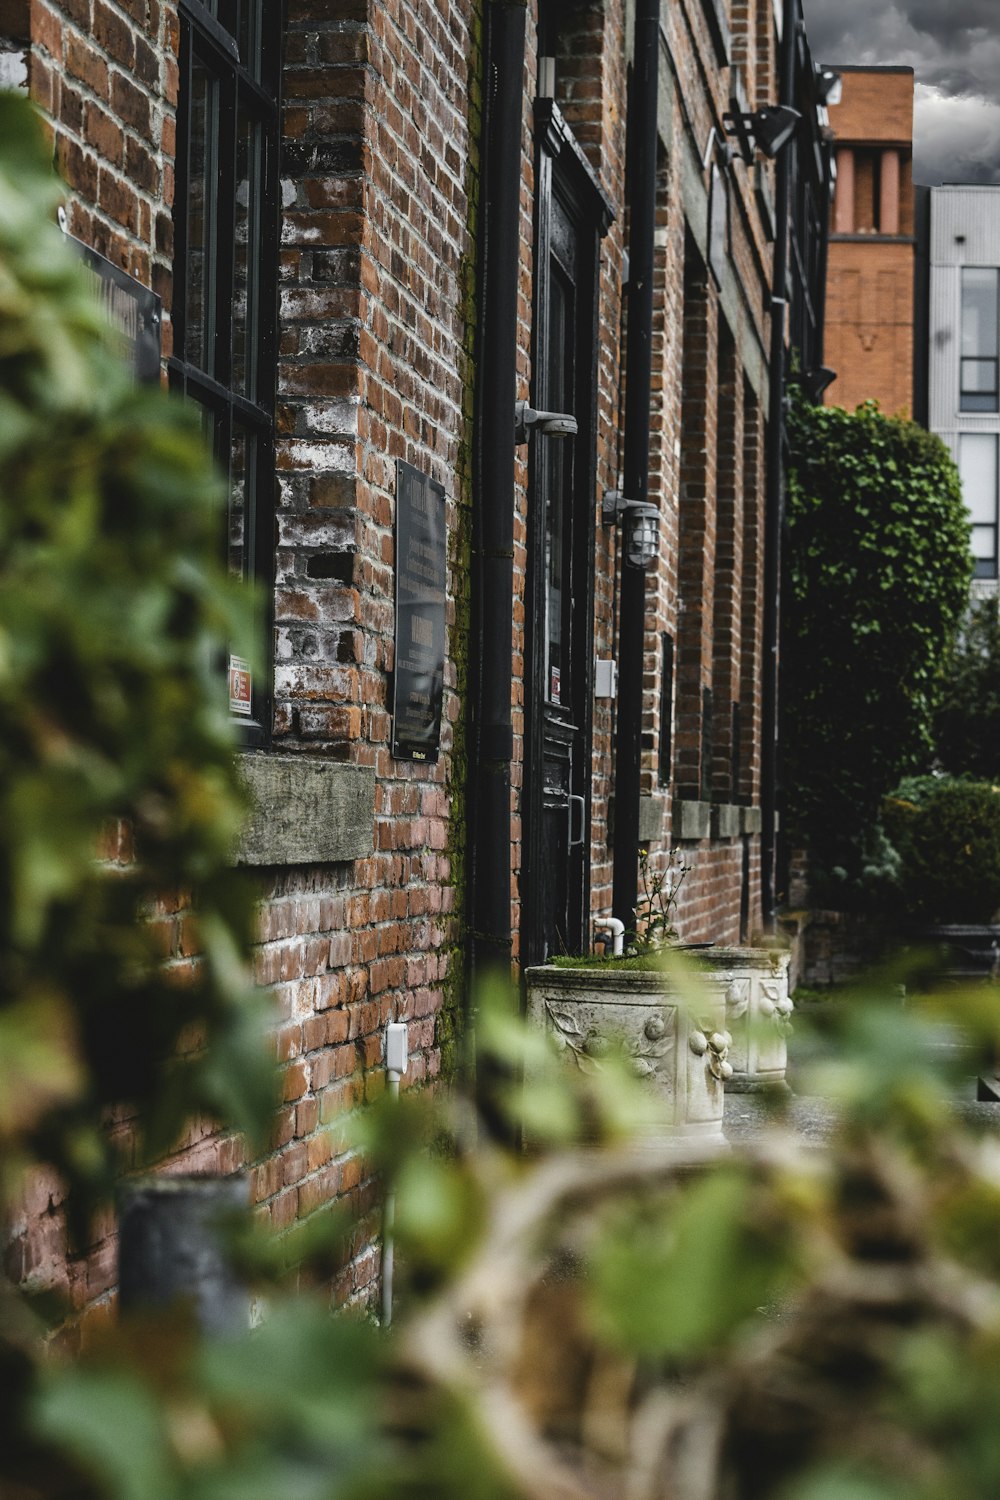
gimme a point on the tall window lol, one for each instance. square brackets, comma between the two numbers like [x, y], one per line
[977, 462]
[979, 389]
[225, 278]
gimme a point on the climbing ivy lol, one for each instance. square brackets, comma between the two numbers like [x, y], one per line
[876, 578]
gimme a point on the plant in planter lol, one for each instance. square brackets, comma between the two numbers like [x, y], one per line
[650, 1006]
[758, 1008]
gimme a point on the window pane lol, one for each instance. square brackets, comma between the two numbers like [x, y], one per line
[246, 258]
[984, 550]
[199, 286]
[977, 463]
[558, 470]
[242, 486]
[249, 35]
[979, 311]
[979, 375]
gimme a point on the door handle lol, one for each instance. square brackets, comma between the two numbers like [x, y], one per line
[576, 802]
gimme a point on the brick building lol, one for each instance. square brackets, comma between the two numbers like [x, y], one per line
[872, 255]
[374, 228]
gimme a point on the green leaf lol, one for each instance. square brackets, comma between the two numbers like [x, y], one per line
[114, 1426]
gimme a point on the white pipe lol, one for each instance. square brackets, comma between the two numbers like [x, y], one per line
[388, 1220]
[616, 927]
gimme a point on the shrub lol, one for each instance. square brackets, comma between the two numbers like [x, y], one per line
[948, 837]
[877, 572]
[967, 725]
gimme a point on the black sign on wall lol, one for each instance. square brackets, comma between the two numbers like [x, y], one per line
[132, 309]
[421, 559]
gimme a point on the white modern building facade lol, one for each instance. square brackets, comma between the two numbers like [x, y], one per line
[963, 372]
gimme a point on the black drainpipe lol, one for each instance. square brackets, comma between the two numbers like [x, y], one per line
[774, 500]
[643, 139]
[491, 735]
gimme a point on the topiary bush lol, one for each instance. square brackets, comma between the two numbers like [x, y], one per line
[876, 579]
[947, 833]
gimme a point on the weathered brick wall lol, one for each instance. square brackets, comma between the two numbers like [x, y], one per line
[379, 167]
[707, 475]
[869, 337]
[870, 276]
[105, 76]
[377, 277]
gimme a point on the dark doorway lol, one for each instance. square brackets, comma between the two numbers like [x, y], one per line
[571, 216]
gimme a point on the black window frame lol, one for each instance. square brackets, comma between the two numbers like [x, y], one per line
[975, 397]
[246, 91]
[987, 567]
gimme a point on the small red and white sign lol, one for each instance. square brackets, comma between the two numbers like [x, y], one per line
[240, 687]
[555, 685]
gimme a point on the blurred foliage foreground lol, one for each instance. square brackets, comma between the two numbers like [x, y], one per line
[605, 1319]
[601, 1320]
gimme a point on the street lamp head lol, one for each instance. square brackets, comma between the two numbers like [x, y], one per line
[765, 130]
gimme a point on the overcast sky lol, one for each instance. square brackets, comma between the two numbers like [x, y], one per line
[953, 47]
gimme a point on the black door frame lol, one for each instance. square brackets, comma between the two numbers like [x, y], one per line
[562, 171]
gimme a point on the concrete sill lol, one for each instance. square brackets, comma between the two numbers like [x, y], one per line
[306, 811]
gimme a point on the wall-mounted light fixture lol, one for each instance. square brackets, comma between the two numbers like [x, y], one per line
[765, 130]
[829, 86]
[545, 86]
[552, 423]
[640, 523]
[816, 380]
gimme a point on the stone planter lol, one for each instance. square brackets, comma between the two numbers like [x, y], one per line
[758, 1012]
[677, 1050]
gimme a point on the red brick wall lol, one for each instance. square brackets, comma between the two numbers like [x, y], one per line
[870, 278]
[378, 261]
[707, 471]
[105, 74]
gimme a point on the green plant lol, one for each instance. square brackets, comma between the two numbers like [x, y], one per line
[656, 906]
[119, 796]
[967, 723]
[947, 832]
[877, 570]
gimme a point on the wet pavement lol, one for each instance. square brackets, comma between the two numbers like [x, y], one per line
[813, 1118]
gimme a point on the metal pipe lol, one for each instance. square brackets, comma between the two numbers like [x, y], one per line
[491, 731]
[396, 1064]
[643, 144]
[389, 1225]
[774, 495]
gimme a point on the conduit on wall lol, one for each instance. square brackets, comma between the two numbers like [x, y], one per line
[490, 726]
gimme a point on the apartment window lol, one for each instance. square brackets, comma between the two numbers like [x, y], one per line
[225, 280]
[977, 462]
[979, 387]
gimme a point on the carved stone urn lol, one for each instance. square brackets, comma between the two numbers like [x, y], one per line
[758, 1015]
[678, 1046]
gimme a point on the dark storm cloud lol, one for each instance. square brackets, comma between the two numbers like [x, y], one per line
[954, 49]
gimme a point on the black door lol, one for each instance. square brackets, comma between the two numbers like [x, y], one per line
[570, 219]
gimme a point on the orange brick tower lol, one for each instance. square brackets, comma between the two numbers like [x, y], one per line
[872, 257]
